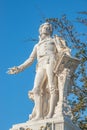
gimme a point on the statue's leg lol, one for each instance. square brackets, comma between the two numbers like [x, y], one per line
[52, 88]
[37, 95]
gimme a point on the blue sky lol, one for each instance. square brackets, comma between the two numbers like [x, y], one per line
[20, 20]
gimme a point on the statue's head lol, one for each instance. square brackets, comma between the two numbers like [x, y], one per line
[46, 28]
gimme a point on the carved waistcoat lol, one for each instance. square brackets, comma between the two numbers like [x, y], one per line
[46, 48]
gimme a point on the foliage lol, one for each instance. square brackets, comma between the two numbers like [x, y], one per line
[77, 42]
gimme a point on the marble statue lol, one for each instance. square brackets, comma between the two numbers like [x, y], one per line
[53, 75]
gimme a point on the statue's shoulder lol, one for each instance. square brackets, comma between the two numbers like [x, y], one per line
[35, 46]
[56, 37]
[59, 40]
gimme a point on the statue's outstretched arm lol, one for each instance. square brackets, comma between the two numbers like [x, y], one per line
[28, 62]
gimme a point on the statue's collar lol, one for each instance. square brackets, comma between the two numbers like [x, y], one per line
[44, 40]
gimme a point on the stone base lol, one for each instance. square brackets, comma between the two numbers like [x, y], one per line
[47, 124]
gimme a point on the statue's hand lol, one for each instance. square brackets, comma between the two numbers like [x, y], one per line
[13, 70]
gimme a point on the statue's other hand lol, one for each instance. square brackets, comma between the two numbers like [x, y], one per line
[13, 70]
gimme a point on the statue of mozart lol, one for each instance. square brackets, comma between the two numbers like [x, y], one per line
[53, 73]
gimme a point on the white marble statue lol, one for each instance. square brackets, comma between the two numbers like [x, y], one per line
[52, 77]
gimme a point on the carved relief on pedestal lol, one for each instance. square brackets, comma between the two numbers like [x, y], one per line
[22, 128]
[47, 127]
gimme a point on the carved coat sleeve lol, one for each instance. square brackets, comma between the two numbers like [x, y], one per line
[30, 60]
[61, 46]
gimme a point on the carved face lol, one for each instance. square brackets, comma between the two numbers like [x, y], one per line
[46, 28]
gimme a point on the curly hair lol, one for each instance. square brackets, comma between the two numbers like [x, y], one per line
[50, 27]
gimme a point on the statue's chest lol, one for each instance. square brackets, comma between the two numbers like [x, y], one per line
[46, 45]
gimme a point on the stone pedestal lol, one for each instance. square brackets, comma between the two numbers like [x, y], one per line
[47, 124]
